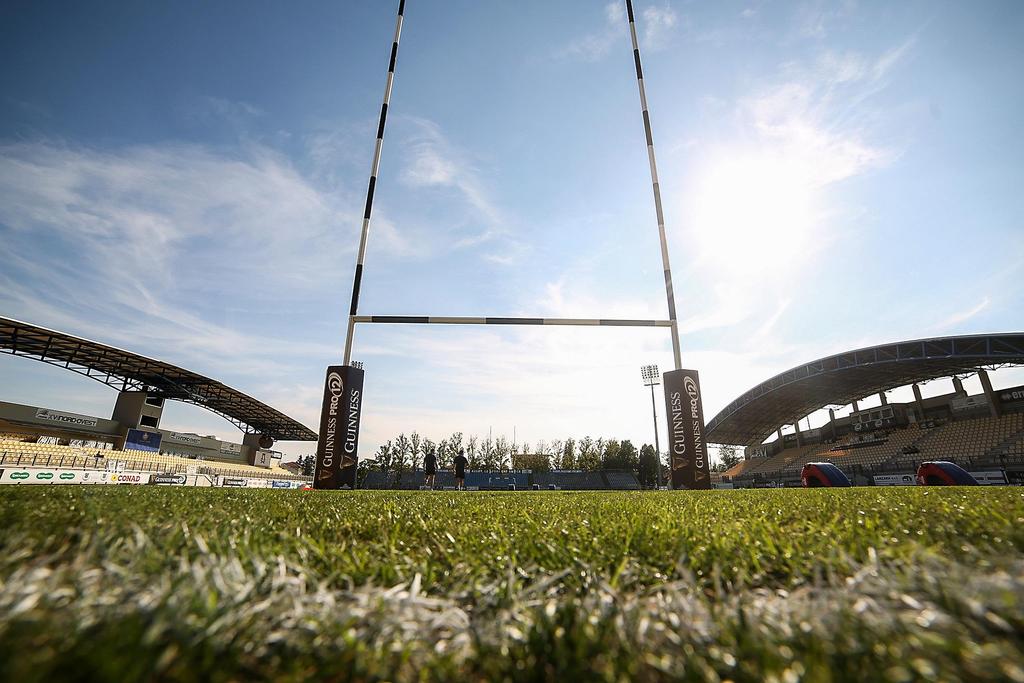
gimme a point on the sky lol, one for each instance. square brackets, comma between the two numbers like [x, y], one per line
[186, 180]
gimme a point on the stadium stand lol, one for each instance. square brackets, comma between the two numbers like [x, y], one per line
[28, 454]
[623, 481]
[972, 442]
[570, 480]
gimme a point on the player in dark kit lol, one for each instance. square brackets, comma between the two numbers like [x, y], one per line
[430, 469]
[460, 470]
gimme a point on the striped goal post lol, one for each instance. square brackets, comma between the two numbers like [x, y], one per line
[349, 376]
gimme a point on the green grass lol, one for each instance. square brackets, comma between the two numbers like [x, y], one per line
[126, 583]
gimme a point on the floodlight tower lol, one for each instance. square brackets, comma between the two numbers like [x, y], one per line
[652, 378]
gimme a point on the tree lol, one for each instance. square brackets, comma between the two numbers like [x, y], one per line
[415, 450]
[385, 454]
[502, 453]
[307, 465]
[401, 456]
[568, 461]
[648, 473]
[589, 458]
[428, 447]
[454, 446]
[473, 453]
[610, 455]
[629, 459]
[556, 452]
[363, 469]
[532, 461]
[728, 457]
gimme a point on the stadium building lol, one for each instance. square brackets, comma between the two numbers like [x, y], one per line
[885, 443]
[133, 435]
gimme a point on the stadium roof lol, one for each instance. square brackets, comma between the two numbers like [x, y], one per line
[847, 377]
[126, 371]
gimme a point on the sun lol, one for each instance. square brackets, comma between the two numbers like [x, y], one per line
[752, 210]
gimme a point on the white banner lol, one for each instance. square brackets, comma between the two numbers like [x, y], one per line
[73, 419]
[129, 478]
[895, 479]
[990, 477]
[968, 403]
[40, 475]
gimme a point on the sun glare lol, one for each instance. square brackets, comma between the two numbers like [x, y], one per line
[754, 210]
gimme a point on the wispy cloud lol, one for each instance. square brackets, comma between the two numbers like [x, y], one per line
[433, 163]
[658, 24]
[963, 316]
[127, 245]
[655, 25]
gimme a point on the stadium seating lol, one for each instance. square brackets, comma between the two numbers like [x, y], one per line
[53, 455]
[625, 481]
[973, 442]
[967, 442]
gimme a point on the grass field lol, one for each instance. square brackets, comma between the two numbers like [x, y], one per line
[132, 583]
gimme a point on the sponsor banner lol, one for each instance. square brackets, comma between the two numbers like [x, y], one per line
[959, 405]
[990, 477]
[233, 481]
[1012, 394]
[337, 451]
[190, 439]
[226, 447]
[903, 479]
[138, 440]
[280, 484]
[37, 475]
[683, 406]
[168, 479]
[128, 478]
[40, 476]
[723, 486]
[71, 419]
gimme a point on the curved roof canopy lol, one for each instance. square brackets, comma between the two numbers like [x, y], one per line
[126, 371]
[850, 376]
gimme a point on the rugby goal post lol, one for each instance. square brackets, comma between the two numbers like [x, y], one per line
[341, 411]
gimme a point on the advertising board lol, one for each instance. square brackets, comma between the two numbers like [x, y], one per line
[138, 440]
[687, 449]
[71, 419]
[901, 479]
[337, 451]
[990, 477]
[168, 479]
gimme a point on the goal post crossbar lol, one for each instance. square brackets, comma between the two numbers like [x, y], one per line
[490, 320]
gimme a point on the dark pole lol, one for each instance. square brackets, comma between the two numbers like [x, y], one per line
[657, 446]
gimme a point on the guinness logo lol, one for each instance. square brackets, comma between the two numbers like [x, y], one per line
[347, 461]
[334, 384]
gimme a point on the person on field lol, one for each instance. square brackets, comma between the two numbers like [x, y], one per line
[430, 468]
[460, 470]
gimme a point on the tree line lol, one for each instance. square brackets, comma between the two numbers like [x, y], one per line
[406, 453]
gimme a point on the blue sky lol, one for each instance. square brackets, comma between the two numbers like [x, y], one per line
[186, 180]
